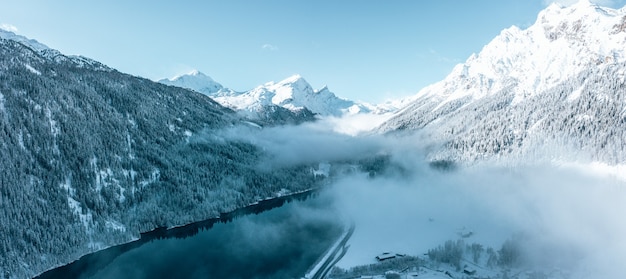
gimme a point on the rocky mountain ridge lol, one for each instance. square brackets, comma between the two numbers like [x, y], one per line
[293, 95]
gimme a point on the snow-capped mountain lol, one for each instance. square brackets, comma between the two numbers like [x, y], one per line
[195, 80]
[293, 93]
[560, 80]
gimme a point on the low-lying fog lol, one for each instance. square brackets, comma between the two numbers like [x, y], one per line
[567, 217]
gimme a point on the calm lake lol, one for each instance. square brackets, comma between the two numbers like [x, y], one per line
[283, 242]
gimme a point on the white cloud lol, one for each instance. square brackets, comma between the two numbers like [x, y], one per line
[269, 47]
[354, 125]
[304, 144]
[8, 27]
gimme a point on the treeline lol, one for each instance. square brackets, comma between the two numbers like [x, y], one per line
[396, 264]
[455, 253]
[582, 119]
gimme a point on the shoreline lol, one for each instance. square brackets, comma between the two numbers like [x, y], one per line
[101, 258]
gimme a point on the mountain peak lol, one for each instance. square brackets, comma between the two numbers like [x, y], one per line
[579, 3]
[553, 76]
[586, 6]
[584, 3]
[194, 80]
[33, 44]
[192, 73]
[558, 12]
[285, 89]
[195, 73]
[563, 42]
[296, 78]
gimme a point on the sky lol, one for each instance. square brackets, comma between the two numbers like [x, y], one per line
[362, 50]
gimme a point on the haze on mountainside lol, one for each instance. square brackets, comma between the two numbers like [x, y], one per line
[538, 115]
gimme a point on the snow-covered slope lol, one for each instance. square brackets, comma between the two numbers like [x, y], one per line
[561, 79]
[53, 54]
[562, 43]
[33, 44]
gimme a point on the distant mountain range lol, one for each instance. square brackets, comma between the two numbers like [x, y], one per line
[554, 90]
[197, 81]
[293, 96]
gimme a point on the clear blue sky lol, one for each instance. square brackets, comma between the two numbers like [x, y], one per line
[363, 50]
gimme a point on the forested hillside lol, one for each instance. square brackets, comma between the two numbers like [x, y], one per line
[555, 90]
[92, 157]
[583, 118]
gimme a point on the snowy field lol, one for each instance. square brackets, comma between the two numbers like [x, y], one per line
[570, 219]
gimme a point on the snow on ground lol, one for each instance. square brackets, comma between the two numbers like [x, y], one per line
[114, 225]
[32, 70]
[323, 169]
[54, 125]
[576, 93]
[570, 220]
[2, 108]
[154, 176]
[411, 220]
[67, 185]
[86, 218]
[129, 142]
[20, 140]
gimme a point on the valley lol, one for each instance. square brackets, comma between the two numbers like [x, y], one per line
[512, 166]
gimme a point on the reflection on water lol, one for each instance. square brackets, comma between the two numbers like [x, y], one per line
[280, 243]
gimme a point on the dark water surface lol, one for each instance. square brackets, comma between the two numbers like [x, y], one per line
[280, 243]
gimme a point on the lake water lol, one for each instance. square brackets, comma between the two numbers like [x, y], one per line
[280, 243]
